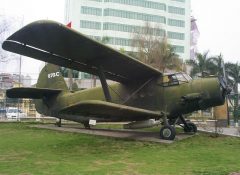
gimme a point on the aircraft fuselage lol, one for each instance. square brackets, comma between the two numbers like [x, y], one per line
[175, 99]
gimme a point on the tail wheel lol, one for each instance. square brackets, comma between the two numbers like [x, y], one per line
[167, 132]
[191, 127]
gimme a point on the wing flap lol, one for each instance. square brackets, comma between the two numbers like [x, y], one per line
[97, 108]
[55, 43]
[34, 93]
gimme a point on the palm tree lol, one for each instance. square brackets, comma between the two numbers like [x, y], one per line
[203, 65]
[218, 64]
[233, 71]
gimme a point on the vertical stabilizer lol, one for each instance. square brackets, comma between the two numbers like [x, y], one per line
[50, 77]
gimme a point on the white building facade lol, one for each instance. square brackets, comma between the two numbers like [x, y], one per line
[119, 19]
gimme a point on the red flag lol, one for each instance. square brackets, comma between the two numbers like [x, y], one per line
[69, 25]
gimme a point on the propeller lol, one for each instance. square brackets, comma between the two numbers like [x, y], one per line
[226, 89]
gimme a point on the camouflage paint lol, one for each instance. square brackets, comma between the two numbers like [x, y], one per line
[203, 93]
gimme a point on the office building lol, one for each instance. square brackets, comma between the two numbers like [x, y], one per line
[119, 19]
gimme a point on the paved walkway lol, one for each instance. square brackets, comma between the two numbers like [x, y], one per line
[117, 133]
[231, 131]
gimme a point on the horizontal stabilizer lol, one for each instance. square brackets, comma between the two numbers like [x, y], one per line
[34, 93]
[97, 108]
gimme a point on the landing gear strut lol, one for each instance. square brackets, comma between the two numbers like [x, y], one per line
[167, 132]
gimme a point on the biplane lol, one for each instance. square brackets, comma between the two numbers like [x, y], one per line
[141, 95]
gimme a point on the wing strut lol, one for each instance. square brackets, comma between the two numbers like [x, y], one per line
[104, 84]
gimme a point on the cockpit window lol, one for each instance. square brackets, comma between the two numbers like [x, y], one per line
[175, 79]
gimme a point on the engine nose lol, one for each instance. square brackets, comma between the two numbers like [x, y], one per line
[214, 91]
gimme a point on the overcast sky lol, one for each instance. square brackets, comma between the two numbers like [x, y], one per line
[31, 10]
[219, 26]
[218, 23]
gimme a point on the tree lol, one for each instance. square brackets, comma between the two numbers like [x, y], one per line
[4, 32]
[203, 65]
[152, 48]
[218, 63]
[233, 72]
[70, 74]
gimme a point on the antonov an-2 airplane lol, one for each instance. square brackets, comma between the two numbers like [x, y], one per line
[141, 95]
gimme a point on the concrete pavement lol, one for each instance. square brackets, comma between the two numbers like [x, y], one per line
[231, 131]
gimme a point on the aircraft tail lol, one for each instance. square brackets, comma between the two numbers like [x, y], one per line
[50, 83]
[51, 78]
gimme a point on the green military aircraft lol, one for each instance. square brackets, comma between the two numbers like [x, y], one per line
[141, 95]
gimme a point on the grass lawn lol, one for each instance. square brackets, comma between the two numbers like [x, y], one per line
[25, 150]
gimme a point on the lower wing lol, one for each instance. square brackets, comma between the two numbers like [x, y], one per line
[115, 112]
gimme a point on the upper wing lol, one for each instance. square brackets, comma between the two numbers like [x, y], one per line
[55, 43]
[97, 108]
[34, 93]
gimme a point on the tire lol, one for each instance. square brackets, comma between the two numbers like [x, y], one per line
[192, 128]
[167, 132]
[86, 125]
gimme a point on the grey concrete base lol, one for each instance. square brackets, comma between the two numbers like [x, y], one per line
[126, 134]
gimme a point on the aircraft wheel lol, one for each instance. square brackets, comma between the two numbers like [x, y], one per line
[191, 128]
[167, 132]
[86, 125]
[59, 123]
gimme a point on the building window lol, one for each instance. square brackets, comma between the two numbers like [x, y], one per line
[128, 42]
[116, 41]
[176, 10]
[98, 38]
[83, 75]
[140, 3]
[96, 0]
[179, 0]
[91, 11]
[90, 24]
[119, 41]
[134, 15]
[131, 28]
[178, 49]
[175, 22]
[176, 35]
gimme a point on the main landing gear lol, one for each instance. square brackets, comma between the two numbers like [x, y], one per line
[59, 122]
[86, 125]
[188, 126]
[168, 132]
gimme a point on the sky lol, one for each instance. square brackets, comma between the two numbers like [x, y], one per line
[217, 21]
[219, 26]
[31, 10]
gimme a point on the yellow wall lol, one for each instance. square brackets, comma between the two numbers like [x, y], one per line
[220, 112]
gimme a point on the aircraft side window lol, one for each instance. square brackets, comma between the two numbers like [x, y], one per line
[183, 78]
[169, 80]
[173, 80]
